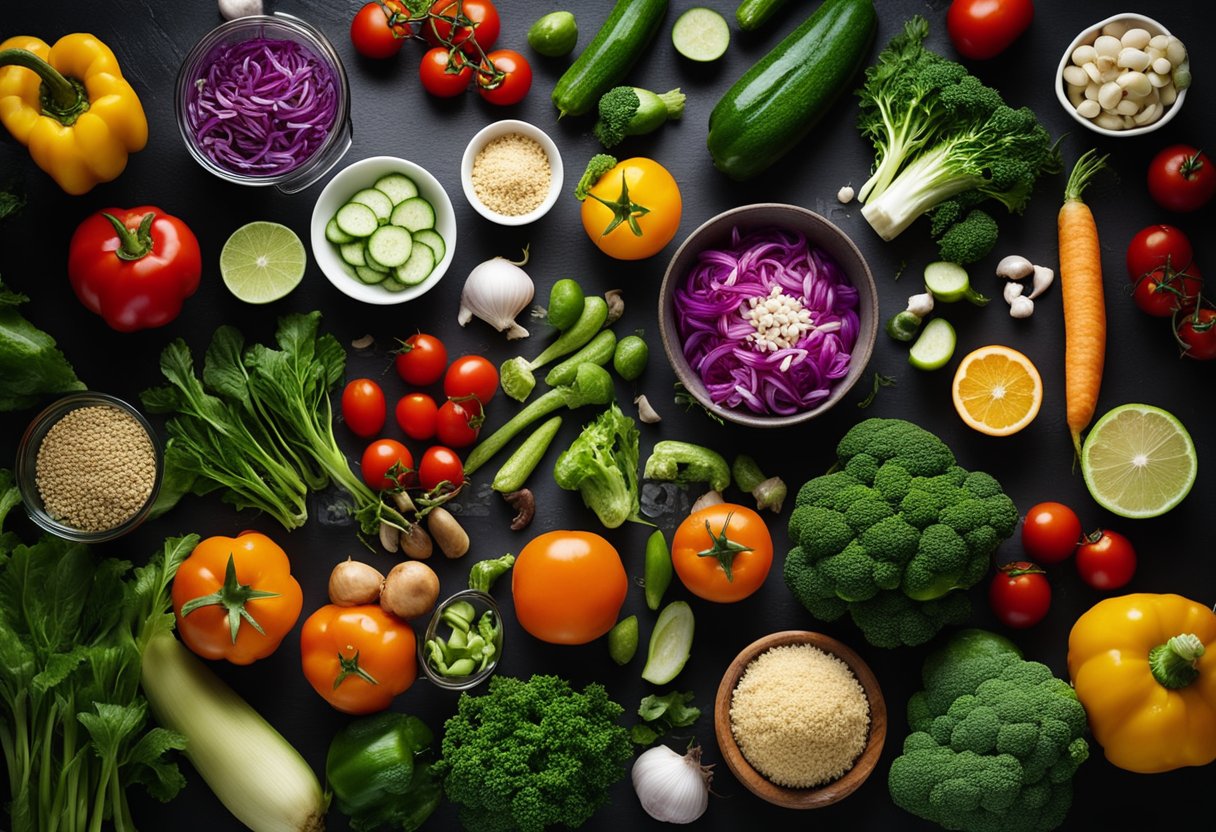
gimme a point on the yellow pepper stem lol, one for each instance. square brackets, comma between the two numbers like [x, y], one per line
[1173, 663]
[62, 98]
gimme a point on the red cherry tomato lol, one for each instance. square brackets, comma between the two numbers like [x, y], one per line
[1196, 333]
[372, 34]
[439, 464]
[1050, 532]
[421, 359]
[1157, 246]
[982, 29]
[509, 80]
[1164, 291]
[1019, 594]
[440, 77]
[363, 407]
[416, 414]
[1181, 178]
[1106, 560]
[480, 13]
[387, 464]
[459, 422]
[471, 375]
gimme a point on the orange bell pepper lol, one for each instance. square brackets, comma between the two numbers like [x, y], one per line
[1144, 667]
[235, 598]
[358, 658]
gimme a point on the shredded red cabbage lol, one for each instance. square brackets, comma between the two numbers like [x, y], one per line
[263, 107]
[762, 365]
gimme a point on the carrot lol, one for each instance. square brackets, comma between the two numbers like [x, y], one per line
[1081, 288]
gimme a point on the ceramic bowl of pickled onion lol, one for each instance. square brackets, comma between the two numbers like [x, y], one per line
[768, 314]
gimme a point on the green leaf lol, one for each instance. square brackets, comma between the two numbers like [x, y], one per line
[57, 669]
[46, 586]
[643, 734]
[223, 367]
[30, 363]
[151, 607]
[147, 765]
[9, 497]
[110, 726]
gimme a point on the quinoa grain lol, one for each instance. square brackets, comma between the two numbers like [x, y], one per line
[511, 175]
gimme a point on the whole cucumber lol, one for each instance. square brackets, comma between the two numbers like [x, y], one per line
[630, 27]
[777, 102]
[752, 14]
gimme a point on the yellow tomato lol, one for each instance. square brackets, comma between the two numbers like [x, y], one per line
[633, 210]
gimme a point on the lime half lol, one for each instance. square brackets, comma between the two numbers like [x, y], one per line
[262, 261]
[1138, 461]
[701, 34]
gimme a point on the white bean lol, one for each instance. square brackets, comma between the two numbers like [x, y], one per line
[1110, 74]
[1175, 51]
[1088, 109]
[1158, 80]
[1115, 28]
[1107, 45]
[1110, 95]
[1127, 107]
[1136, 84]
[1110, 121]
[1076, 76]
[1076, 95]
[1128, 122]
[1134, 59]
[1136, 38]
[1159, 42]
[1091, 92]
[1162, 67]
[1148, 115]
[1084, 54]
[1155, 53]
[1091, 69]
[1106, 63]
[1168, 94]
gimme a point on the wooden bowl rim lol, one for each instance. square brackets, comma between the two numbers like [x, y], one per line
[756, 783]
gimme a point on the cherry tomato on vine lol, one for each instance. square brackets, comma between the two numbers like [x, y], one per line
[372, 34]
[1050, 532]
[510, 79]
[1156, 246]
[471, 375]
[439, 464]
[1019, 594]
[437, 76]
[1196, 333]
[363, 407]
[459, 422]
[416, 415]
[1181, 178]
[480, 13]
[1164, 291]
[421, 359]
[386, 464]
[1106, 560]
[982, 29]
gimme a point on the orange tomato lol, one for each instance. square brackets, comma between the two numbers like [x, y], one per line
[568, 587]
[358, 658]
[235, 598]
[647, 201]
[722, 553]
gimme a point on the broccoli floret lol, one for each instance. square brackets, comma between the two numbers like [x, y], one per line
[896, 550]
[970, 239]
[632, 111]
[996, 740]
[532, 754]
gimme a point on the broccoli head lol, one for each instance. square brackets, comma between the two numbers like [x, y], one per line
[995, 740]
[970, 239]
[894, 534]
[633, 111]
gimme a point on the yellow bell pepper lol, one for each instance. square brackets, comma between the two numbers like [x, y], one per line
[1144, 667]
[70, 105]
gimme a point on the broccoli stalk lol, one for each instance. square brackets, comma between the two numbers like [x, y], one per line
[633, 111]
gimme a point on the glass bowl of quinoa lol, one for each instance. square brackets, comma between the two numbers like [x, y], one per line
[89, 467]
[511, 172]
[800, 719]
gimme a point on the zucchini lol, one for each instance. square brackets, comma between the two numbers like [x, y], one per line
[777, 102]
[630, 27]
[752, 14]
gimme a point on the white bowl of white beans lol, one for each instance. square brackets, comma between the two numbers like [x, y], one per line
[1123, 76]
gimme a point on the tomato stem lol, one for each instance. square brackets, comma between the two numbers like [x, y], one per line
[233, 597]
[623, 210]
[350, 667]
[1173, 664]
[724, 549]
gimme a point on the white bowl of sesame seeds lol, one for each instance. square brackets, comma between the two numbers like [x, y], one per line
[511, 172]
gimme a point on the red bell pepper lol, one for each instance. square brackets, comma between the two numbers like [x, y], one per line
[134, 267]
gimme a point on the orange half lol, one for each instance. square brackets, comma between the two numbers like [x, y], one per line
[997, 390]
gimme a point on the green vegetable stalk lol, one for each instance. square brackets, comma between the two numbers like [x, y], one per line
[516, 374]
[524, 459]
[599, 350]
[484, 573]
[684, 463]
[602, 465]
[633, 111]
[769, 492]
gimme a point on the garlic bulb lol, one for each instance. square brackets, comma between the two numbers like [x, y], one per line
[232, 9]
[496, 291]
[672, 788]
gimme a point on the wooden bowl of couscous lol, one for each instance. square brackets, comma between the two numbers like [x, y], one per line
[800, 719]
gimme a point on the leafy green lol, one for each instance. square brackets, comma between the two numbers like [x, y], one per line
[12, 201]
[602, 465]
[73, 725]
[30, 364]
[662, 713]
[259, 424]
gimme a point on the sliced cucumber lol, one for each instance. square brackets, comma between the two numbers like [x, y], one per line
[417, 268]
[934, 347]
[368, 275]
[397, 187]
[377, 200]
[336, 235]
[392, 284]
[354, 253]
[949, 282]
[670, 643]
[356, 219]
[390, 246]
[433, 240]
[701, 34]
[414, 214]
[374, 266]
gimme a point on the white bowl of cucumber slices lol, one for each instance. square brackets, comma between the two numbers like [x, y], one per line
[383, 230]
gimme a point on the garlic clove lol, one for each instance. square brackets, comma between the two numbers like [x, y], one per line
[1043, 278]
[1014, 267]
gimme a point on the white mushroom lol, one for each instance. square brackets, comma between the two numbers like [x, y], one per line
[1014, 267]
